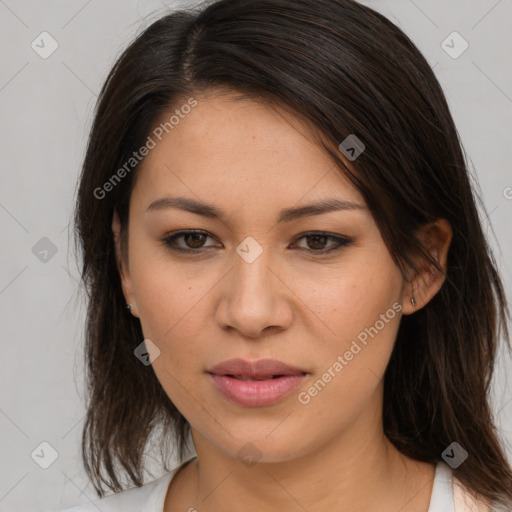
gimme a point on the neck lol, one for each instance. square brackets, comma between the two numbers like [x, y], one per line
[357, 469]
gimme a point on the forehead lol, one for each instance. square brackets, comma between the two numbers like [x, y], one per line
[228, 123]
[231, 146]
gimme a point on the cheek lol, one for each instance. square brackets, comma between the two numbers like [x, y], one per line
[351, 297]
[360, 305]
[172, 316]
[349, 368]
[169, 298]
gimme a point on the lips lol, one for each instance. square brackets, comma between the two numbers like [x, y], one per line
[255, 384]
[263, 369]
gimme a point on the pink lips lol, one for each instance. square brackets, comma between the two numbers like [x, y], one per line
[255, 384]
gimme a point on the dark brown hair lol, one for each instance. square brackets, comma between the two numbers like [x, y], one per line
[347, 70]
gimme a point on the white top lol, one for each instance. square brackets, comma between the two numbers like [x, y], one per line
[151, 496]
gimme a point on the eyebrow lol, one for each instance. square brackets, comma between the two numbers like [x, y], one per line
[285, 215]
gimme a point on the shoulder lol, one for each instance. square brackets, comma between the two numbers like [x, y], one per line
[449, 495]
[149, 497]
[464, 501]
[135, 499]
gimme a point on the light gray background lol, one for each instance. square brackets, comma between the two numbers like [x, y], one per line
[46, 107]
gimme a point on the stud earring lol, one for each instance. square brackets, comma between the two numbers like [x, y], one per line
[413, 300]
[128, 306]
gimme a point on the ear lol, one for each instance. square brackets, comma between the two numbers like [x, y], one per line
[435, 238]
[122, 265]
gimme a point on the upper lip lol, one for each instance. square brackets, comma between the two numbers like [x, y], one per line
[255, 369]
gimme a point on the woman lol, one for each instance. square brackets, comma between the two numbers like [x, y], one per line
[286, 271]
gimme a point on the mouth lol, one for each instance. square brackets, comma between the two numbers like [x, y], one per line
[255, 384]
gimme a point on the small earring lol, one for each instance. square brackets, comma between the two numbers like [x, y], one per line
[128, 306]
[413, 300]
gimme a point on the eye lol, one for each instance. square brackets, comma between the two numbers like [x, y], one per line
[316, 242]
[194, 239]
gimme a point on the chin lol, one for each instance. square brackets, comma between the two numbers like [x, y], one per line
[256, 448]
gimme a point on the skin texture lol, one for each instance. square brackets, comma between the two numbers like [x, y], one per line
[289, 304]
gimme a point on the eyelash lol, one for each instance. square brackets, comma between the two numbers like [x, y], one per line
[340, 241]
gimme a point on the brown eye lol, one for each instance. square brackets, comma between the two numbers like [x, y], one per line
[194, 240]
[316, 242]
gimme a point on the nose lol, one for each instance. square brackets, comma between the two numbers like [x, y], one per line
[255, 298]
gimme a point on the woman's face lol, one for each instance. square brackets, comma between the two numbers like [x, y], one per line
[254, 285]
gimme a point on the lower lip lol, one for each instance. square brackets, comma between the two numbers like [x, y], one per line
[256, 393]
